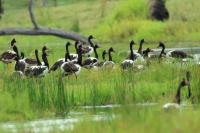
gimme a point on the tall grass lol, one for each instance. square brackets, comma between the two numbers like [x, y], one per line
[55, 94]
[30, 98]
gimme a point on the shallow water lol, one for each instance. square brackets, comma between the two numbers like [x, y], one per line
[57, 124]
[85, 114]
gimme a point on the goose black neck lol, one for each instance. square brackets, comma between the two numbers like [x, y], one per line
[22, 55]
[95, 52]
[178, 94]
[163, 49]
[44, 58]
[110, 56]
[67, 53]
[103, 56]
[189, 87]
[16, 59]
[37, 58]
[131, 49]
[90, 42]
[16, 50]
[140, 48]
[146, 53]
[80, 56]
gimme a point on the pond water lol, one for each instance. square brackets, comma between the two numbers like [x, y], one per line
[85, 114]
[56, 124]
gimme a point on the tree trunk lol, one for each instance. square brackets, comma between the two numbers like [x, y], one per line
[158, 10]
[44, 31]
[37, 30]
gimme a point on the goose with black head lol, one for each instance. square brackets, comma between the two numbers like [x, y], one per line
[39, 70]
[109, 63]
[69, 68]
[9, 55]
[100, 63]
[129, 62]
[29, 61]
[173, 53]
[59, 62]
[177, 101]
[87, 51]
[90, 61]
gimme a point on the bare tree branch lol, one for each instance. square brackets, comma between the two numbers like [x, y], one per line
[43, 31]
[37, 30]
[32, 17]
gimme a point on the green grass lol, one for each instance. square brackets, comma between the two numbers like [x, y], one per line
[27, 99]
[121, 22]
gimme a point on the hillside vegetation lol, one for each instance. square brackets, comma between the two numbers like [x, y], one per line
[112, 22]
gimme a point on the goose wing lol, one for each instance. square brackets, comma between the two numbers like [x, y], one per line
[178, 54]
[89, 61]
[56, 65]
[69, 68]
[36, 71]
[30, 61]
[7, 56]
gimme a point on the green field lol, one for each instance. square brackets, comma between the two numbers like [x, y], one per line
[113, 23]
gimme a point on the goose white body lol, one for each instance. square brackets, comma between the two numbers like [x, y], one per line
[20, 65]
[139, 58]
[18, 73]
[128, 62]
[169, 54]
[34, 69]
[74, 56]
[139, 67]
[79, 69]
[169, 106]
[90, 51]
[109, 64]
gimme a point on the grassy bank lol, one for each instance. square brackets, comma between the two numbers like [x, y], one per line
[113, 24]
[25, 98]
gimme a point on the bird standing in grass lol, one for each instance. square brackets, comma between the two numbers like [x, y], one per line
[173, 53]
[128, 63]
[87, 51]
[109, 63]
[39, 70]
[9, 55]
[177, 102]
[69, 68]
[28, 61]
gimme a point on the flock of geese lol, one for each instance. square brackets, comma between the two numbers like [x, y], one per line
[73, 62]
